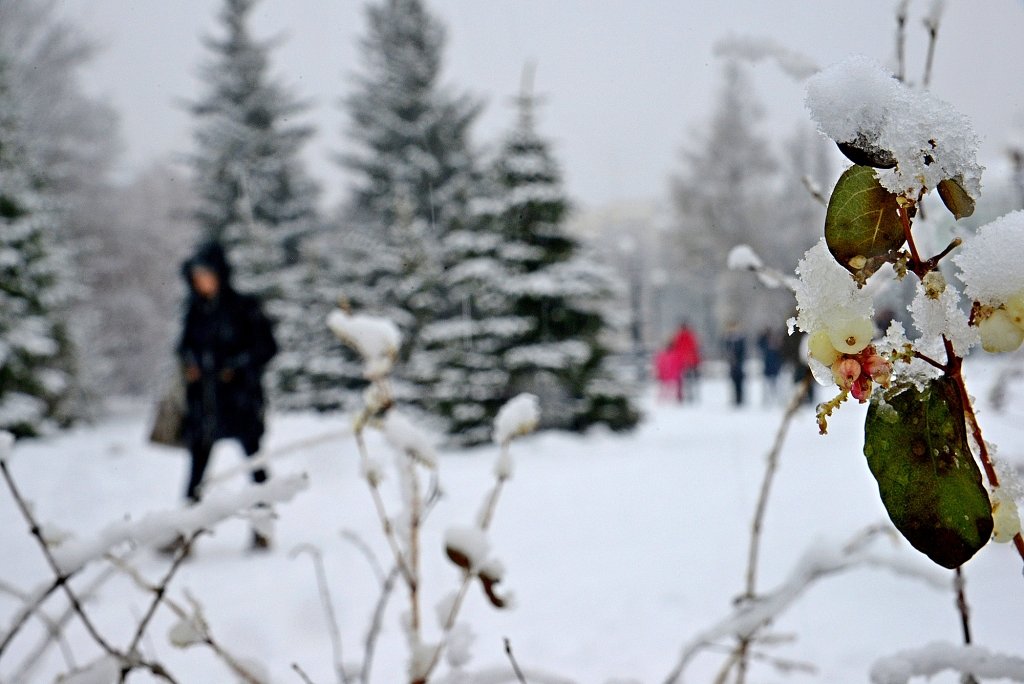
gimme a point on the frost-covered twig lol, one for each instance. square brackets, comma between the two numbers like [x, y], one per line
[328, 605]
[160, 527]
[265, 457]
[744, 258]
[934, 658]
[816, 564]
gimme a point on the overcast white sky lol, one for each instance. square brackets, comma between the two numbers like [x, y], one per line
[626, 81]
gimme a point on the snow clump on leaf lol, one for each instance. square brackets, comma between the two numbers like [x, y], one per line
[919, 138]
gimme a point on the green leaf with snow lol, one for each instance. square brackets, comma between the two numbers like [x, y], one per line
[862, 224]
[916, 447]
[956, 199]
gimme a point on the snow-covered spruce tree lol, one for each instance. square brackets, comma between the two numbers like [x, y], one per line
[72, 139]
[536, 311]
[254, 194]
[36, 358]
[413, 175]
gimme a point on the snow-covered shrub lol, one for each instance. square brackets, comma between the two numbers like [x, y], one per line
[377, 340]
[922, 440]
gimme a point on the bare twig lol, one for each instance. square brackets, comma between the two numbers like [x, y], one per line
[965, 618]
[512, 659]
[382, 515]
[32, 659]
[753, 553]
[32, 606]
[328, 604]
[355, 540]
[377, 622]
[814, 189]
[302, 674]
[159, 592]
[931, 23]
[61, 577]
[901, 40]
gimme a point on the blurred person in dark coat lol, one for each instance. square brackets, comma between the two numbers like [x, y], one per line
[226, 343]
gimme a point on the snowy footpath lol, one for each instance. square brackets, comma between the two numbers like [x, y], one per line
[619, 549]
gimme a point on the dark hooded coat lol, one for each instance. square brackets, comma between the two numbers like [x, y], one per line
[230, 341]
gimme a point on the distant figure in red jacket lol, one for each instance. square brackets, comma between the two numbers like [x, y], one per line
[668, 368]
[687, 348]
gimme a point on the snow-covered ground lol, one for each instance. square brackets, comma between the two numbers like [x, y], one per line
[618, 548]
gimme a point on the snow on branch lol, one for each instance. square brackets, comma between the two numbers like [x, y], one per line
[935, 657]
[161, 527]
[758, 48]
[376, 339]
[744, 258]
[408, 438]
[519, 416]
[820, 561]
[921, 139]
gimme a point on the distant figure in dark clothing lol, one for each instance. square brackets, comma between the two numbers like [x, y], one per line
[769, 342]
[226, 343]
[734, 344]
[794, 353]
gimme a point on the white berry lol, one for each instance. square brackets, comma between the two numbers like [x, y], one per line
[1015, 309]
[851, 335]
[1005, 518]
[819, 346]
[999, 333]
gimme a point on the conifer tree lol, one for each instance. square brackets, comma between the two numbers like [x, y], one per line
[36, 359]
[254, 193]
[413, 173]
[535, 309]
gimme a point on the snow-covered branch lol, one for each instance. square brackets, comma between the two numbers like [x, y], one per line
[931, 659]
[758, 48]
[821, 561]
[160, 527]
